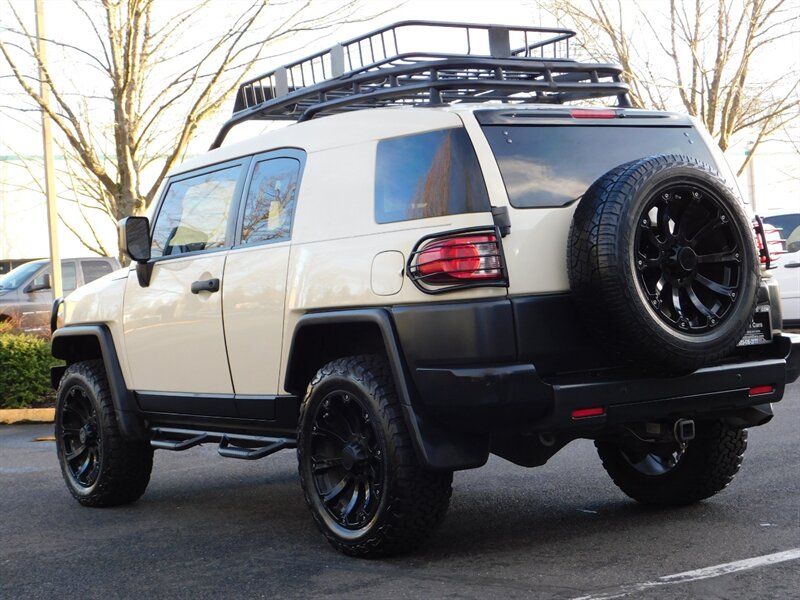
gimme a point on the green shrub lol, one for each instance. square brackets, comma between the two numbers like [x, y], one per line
[25, 363]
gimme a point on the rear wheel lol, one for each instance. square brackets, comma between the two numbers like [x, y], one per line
[359, 473]
[670, 474]
[99, 466]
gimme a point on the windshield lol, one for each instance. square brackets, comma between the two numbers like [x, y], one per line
[553, 165]
[16, 277]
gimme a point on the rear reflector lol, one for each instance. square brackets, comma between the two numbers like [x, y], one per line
[761, 389]
[582, 413]
[592, 113]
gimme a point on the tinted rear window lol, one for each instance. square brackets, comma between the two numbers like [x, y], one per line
[546, 166]
[428, 175]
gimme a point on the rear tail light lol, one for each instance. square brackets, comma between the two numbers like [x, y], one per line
[466, 258]
[769, 242]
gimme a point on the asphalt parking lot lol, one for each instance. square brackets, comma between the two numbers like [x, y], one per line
[210, 527]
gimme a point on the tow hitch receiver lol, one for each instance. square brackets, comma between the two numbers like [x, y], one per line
[684, 430]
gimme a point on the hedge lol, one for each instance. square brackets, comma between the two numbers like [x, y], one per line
[25, 363]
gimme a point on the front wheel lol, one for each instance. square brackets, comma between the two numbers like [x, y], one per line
[99, 466]
[675, 475]
[360, 477]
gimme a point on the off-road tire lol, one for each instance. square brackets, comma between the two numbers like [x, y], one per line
[706, 467]
[603, 266]
[413, 501]
[120, 468]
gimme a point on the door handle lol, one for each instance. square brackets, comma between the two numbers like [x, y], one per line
[205, 285]
[792, 265]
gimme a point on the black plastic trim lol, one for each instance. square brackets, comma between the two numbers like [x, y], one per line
[435, 446]
[54, 313]
[244, 406]
[64, 347]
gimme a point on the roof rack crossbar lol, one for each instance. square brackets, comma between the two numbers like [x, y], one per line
[499, 63]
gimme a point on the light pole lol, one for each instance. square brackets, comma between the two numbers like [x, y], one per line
[47, 141]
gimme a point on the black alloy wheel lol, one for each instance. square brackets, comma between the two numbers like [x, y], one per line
[359, 472]
[100, 466]
[346, 461]
[672, 474]
[655, 463]
[688, 257]
[79, 437]
[662, 263]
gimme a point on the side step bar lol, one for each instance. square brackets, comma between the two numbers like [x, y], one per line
[231, 445]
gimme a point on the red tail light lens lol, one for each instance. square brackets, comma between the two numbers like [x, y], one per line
[460, 259]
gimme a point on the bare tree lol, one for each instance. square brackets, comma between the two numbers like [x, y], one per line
[699, 56]
[155, 78]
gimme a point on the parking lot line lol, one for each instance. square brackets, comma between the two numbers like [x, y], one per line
[697, 574]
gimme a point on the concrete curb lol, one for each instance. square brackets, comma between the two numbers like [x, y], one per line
[10, 416]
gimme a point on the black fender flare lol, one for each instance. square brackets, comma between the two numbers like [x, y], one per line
[70, 344]
[436, 447]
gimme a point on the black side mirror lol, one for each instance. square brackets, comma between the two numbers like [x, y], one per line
[134, 240]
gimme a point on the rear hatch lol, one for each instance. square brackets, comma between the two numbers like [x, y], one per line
[544, 159]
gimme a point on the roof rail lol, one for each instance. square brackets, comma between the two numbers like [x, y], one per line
[511, 64]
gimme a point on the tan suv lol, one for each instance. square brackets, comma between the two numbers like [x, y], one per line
[442, 259]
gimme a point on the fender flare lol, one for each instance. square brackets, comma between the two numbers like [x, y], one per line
[436, 448]
[67, 345]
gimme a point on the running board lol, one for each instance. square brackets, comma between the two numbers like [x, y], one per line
[231, 445]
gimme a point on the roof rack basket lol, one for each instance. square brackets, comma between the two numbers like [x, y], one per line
[492, 63]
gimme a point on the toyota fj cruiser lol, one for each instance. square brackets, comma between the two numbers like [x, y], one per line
[444, 258]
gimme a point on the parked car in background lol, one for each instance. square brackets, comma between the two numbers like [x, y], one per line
[26, 292]
[787, 270]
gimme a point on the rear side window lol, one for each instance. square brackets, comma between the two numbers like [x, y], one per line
[553, 165]
[269, 209]
[428, 175]
[69, 280]
[94, 269]
[194, 213]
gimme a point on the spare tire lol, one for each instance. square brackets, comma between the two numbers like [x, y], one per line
[662, 263]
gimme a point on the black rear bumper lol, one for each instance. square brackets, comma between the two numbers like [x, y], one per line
[475, 374]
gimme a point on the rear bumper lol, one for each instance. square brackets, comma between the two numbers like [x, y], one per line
[504, 395]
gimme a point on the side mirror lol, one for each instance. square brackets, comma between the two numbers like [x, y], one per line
[134, 238]
[46, 283]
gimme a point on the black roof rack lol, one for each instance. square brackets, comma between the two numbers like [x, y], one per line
[491, 63]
